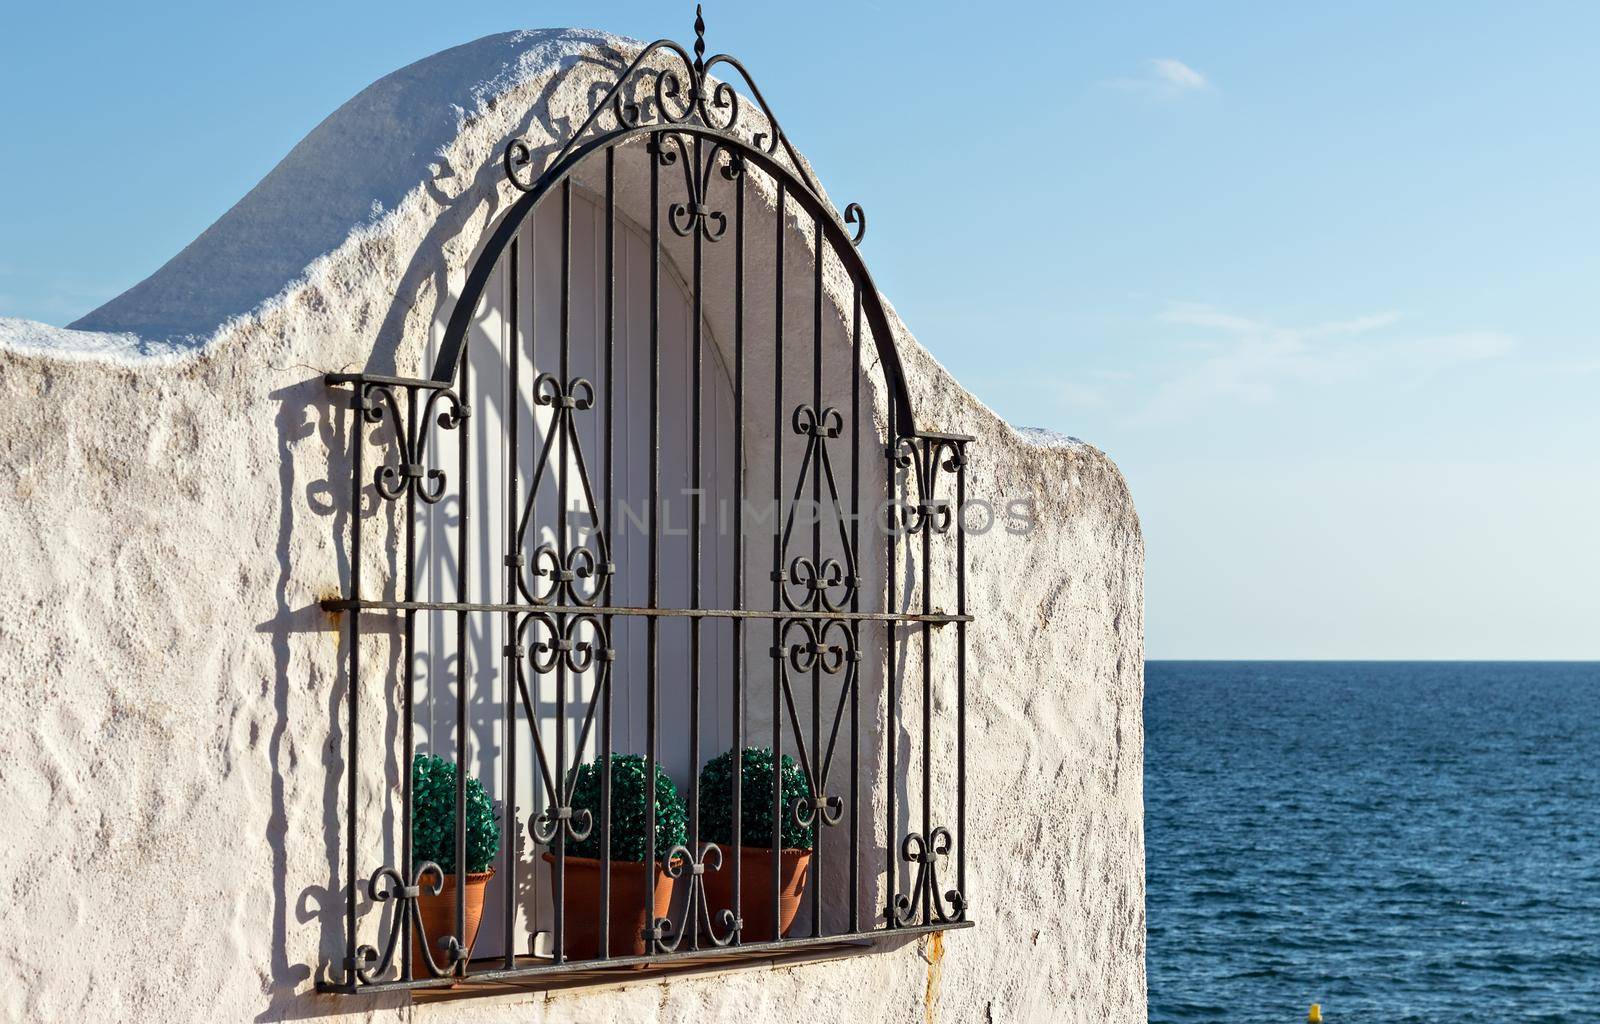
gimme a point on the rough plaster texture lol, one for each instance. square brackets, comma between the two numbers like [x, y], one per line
[171, 767]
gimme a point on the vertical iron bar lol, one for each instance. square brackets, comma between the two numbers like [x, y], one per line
[854, 679]
[931, 453]
[605, 721]
[961, 676]
[816, 555]
[358, 432]
[408, 696]
[737, 837]
[655, 543]
[528, 685]
[561, 423]
[510, 833]
[891, 675]
[693, 919]
[778, 669]
[463, 669]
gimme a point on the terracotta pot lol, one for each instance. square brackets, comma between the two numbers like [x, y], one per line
[438, 915]
[628, 917]
[755, 888]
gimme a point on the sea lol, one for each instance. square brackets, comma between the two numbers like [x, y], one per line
[1395, 841]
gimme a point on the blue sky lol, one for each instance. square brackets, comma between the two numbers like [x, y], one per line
[1323, 280]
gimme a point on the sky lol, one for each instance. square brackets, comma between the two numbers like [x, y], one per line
[1323, 280]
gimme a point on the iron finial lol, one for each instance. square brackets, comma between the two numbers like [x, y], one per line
[699, 41]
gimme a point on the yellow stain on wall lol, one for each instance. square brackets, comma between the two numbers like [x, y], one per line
[933, 952]
[335, 618]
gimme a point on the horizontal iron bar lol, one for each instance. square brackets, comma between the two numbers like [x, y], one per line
[725, 953]
[939, 435]
[348, 605]
[377, 378]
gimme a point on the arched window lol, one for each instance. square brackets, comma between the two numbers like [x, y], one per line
[664, 494]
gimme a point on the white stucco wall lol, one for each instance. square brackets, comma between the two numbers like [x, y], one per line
[170, 773]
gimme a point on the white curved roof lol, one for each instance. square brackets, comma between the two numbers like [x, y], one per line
[357, 164]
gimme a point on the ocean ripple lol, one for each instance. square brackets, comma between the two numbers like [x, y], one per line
[1397, 841]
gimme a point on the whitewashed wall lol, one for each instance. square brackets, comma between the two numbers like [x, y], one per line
[172, 771]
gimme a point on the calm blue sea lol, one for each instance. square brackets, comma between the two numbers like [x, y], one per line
[1398, 841]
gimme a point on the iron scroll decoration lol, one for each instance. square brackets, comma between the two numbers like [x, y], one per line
[674, 105]
[559, 606]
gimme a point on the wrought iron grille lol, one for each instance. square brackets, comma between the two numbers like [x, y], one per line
[536, 609]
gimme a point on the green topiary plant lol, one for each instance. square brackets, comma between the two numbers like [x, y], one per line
[629, 825]
[716, 800]
[433, 817]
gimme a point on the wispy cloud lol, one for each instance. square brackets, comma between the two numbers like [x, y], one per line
[1205, 316]
[1164, 78]
[1080, 394]
[1178, 74]
[1233, 358]
[1085, 389]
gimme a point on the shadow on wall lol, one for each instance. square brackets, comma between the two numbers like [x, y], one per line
[304, 413]
[426, 273]
[311, 424]
[309, 410]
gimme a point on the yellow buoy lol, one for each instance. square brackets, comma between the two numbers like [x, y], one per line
[1315, 1016]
